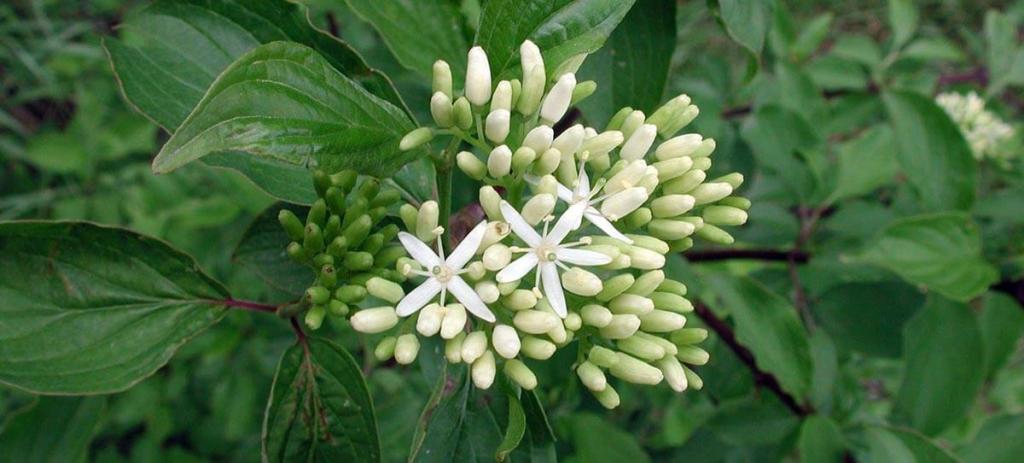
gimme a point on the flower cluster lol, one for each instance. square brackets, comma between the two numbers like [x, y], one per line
[578, 227]
[985, 132]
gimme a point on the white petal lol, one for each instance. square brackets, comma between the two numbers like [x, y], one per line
[418, 250]
[570, 218]
[564, 193]
[553, 288]
[582, 257]
[469, 298]
[418, 297]
[467, 247]
[606, 226]
[518, 268]
[519, 226]
[583, 184]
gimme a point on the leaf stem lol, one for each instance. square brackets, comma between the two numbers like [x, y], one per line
[443, 174]
[247, 305]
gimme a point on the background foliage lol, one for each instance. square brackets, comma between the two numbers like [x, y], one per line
[872, 311]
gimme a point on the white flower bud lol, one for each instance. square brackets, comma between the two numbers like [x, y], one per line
[622, 203]
[596, 316]
[502, 98]
[591, 376]
[475, 271]
[573, 321]
[603, 143]
[520, 299]
[490, 201]
[474, 346]
[645, 259]
[385, 289]
[608, 398]
[495, 232]
[692, 355]
[406, 349]
[638, 143]
[488, 291]
[454, 320]
[666, 345]
[426, 221]
[496, 257]
[558, 334]
[581, 282]
[683, 145]
[375, 320]
[557, 102]
[627, 177]
[671, 230]
[631, 304]
[634, 370]
[710, 192]
[538, 322]
[499, 162]
[483, 370]
[661, 321]
[442, 81]
[441, 110]
[724, 215]
[680, 120]
[547, 184]
[530, 56]
[570, 141]
[548, 162]
[537, 348]
[478, 77]
[506, 341]
[453, 348]
[385, 349]
[471, 165]
[539, 139]
[672, 168]
[673, 372]
[415, 138]
[534, 81]
[538, 207]
[517, 371]
[642, 348]
[508, 287]
[496, 127]
[734, 179]
[428, 322]
[631, 122]
[684, 183]
[672, 205]
[621, 326]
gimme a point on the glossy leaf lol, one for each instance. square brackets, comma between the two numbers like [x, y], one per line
[262, 250]
[287, 182]
[283, 101]
[998, 441]
[319, 408]
[561, 28]
[942, 348]
[90, 309]
[932, 152]
[56, 429]
[940, 251]
[868, 317]
[767, 324]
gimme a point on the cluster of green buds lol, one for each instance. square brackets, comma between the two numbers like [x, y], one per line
[578, 226]
[346, 242]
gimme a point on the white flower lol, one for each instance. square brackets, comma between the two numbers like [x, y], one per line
[584, 194]
[443, 274]
[546, 252]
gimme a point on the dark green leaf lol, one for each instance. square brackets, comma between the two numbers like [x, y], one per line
[866, 163]
[319, 408]
[91, 309]
[902, 20]
[283, 101]
[56, 429]
[539, 433]
[998, 441]
[933, 49]
[768, 325]
[1002, 324]
[859, 48]
[890, 444]
[514, 431]
[943, 349]
[812, 35]
[287, 182]
[868, 317]
[821, 441]
[941, 251]
[1005, 59]
[752, 421]
[779, 137]
[933, 153]
[419, 32]
[561, 28]
[596, 440]
[746, 21]
[457, 424]
[262, 250]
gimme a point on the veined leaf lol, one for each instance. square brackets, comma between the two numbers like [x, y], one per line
[997, 441]
[56, 429]
[90, 309]
[262, 250]
[283, 101]
[319, 408]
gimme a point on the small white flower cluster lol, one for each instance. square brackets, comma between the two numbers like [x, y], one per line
[573, 248]
[985, 132]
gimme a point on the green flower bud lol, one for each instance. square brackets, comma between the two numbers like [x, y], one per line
[537, 348]
[573, 321]
[369, 188]
[499, 162]
[416, 138]
[408, 214]
[630, 303]
[474, 346]
[666, 345]
[522, 158]
[673, 372]
[715, 235]
[442, 78]
[323, 259]
[454, 321]
[328, 277]
[315, 316]
[321, 181]
[548, 162]
[518, 372]
[672, 168]
[710, 192]
[441, 110]
[385, 349]
[692, 379]
[534, 82]
[638, 218]
[520, 299]
[602, 356]
[488, 291]
[535, 321]
[661, 321]
[596, 316]
[463, 113]
[581, 282]
[622, 326]
[345, 179]
[615, 123]
[313, 241]
[642, 348]
[338, 247]
[317, 213]
[684, 183]
[582, 91]
[384, 289]
[724, 215]
[672, 302]
[672, 205]
[337, 308]
[688, 336]
[614, 286]
[296, 252]
[735, 201]
[490, 201]
[681, 146]
[634, 370]
[471, 165]
[692, 355]
[505, 340]
[354, 211]
[649, 242]
[631, 123]
[406, 348]
[375, 320]
[453, 348]
[669, 229]
[647, 283]
[483, 369]
[645, 259]
[358, 260]
[538, 207]
[619, 263]
[373, 244]
[681, 119]
[332, 229]
[517, 90]
[672, 286]
[591, 376]
[607, 397]
[665, 113]
[291, 224]
[558, 334]
[357, 231]
[548, 185]
[426, 221]
[603, 142]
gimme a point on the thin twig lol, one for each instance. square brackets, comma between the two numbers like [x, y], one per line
[250, 306]
[712, 255]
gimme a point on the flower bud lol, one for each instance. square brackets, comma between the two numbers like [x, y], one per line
[558, 334]
[517, 371]
[715, 235]
[724, 215]
[490, 201]
[539, 139]
[642, 348]
[384, 289]
[495, 232]
[473, 167]
[385, 349]
[570, 141]
[318, 295]
[668, 229]
[291, 225]
[681, 146]
[692, 379]
[506, 341]
[621, 326]
[734, 179]
[672, 205]
[441, 110]
[614, 286]
[557, 102]
[462, 113]
[630, 303]
[454, 320]
[603, 142]
[415, 138]
[520, 299]
[619, 263]
[478, 77]
[426, 221]
[453, 348]
[337, 308]
[408, 214]
[680, 120]
[530, 56]
[442, 81]
[672, 287]
[615, 123]
[623, 203]
[507, 288]
[645, 259]
[374, 320]
[315, 316]
[647, 283]
[628, 177]
[582, 91]
[406, 349]
[573, 321]
[474, 346]
[548, 162]
[688, 336]
[663, 114]
[672, 168]
[502, 98]
[671, 302]
[483, 369]
[534, 81]
[475, 271]
[428, 322]
[684, 183]
[497, 125]
[710, 192]
[631, 123]
[673, 372]
[350, 294]
[536, 321]
[537, 348]
[499, 162]
[602, 356]
[706, 148]
[634, 370]
[538, 207]
[692, 355]
[591, 376]
[661, 321]
[496, 257]
[638, 143]
[547, 184]
[488, 291]
[581, 282]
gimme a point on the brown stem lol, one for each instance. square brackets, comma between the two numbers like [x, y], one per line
[246, 305]
[711, 255]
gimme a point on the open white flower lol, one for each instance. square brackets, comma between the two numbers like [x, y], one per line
[546, 252]
[443, 274]
[582, 193]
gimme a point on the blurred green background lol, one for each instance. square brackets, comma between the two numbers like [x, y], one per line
[72, 148]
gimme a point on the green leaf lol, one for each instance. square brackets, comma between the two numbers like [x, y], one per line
[752, 421]
[514, 431]
[933, 153]
[768, 325]
[865, 163]
[998, 441]
[933, 49]
[902, 20]
[821, 440]
[418, 32]
[940, 251]
[632, 68]
[1004, 58]
[779, 138]
[57, 152]
[890, 444]
[562, 29]
[746, 21]
[283, 101]
[55, 429]
[598, 441]
[262, 250]
[1002, 324]
[103, 308]
[859, 48]
[812, 35]
[319, 408]
[943, 350]
[287, 182]
[832, 72]
[457, 423]
[540, 436]
[868, 317]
